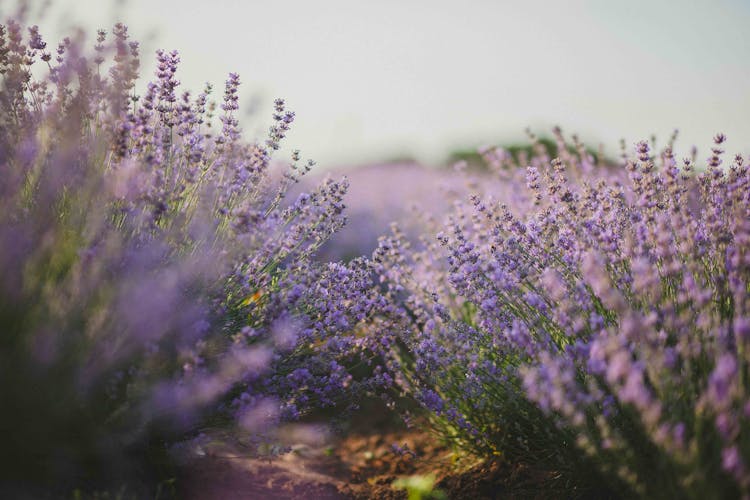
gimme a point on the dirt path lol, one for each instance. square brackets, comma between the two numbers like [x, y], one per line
[357, 466]
[214, 479]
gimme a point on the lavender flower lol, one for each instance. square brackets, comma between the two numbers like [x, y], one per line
[155, 280]
[598, 321]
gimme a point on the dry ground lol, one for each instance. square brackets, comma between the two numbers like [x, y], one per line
[358, 465]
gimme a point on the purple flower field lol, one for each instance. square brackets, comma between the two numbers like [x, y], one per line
[170, 289]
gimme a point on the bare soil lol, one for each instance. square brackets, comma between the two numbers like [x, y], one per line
[361, 464]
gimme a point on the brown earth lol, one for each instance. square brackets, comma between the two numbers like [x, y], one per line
[361, 464]
[357, 466]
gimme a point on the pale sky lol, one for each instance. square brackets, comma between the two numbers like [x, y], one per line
[370, 80]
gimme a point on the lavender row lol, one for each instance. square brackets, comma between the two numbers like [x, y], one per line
[160, 278]
[596, 326]
[155, 279]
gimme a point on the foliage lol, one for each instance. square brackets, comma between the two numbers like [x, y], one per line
[597, 326]
[154, 279]
[419, 487]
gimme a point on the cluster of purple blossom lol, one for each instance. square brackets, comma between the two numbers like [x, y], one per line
[406, 192]
[597, 325]
[154, 278]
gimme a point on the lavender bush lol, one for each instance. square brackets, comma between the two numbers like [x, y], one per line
[404, 192]
[157, 280]
[596, 327]
[154, 279]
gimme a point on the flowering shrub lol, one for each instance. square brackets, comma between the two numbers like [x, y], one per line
[155, 281]
[153, 278]
[381, 194]
[597, 326]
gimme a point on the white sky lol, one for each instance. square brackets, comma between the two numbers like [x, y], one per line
[371, 80]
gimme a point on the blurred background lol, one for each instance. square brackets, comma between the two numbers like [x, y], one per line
[419, 79]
